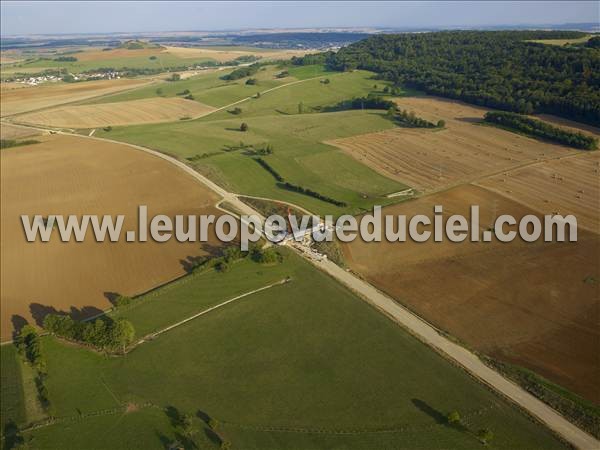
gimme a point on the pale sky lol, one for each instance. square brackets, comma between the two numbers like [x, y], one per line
[48, 17]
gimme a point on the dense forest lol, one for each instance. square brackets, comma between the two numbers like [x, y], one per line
[497, 69]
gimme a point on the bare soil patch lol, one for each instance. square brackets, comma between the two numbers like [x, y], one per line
[429, 160]
[74, 175]
[533, 304]
[30, 98]
[152, 110]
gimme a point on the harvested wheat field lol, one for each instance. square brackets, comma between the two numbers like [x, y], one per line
[569, 185]
[14, 101]
[432, 159]
[151, 110]
[75, 175]
[532, 304]
[9, 131]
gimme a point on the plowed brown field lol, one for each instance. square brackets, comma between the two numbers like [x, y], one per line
[432, 159]
[73, 175]
[151, 110]
[533, 304]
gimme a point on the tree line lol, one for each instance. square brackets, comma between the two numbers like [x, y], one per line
[403, 117]
[295, 188]
[269, 169]
[539, 129]
[29, 346]
[241, 72]
[311, 193]
[496, 69]
[103, 333]
[369, 102]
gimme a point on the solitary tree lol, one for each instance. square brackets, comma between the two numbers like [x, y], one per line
[485, 435]
[244, 126]
[187, 425]
[453, 417]
[441, 123]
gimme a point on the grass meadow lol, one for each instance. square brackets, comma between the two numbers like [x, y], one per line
[300, 155]
[12, 407]
[302, 365]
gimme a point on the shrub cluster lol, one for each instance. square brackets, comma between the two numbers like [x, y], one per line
[66, 59]
[537, 128]
[242, 72]
[410, 119]
[103, 333]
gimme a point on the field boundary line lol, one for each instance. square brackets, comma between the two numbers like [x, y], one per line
[154, 335]
[261, 93]
[83, 100]
[413, 323]
[463, 357]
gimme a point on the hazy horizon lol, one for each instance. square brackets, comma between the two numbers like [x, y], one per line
[31, 18]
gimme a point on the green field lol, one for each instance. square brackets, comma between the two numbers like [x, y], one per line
[307, 355]
[206, 88]
[162, 61]
[300, 155]
[147, 428]
[12, 406]
[183, 298]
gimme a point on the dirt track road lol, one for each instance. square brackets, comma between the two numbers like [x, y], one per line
[418, 327]
[462, 356]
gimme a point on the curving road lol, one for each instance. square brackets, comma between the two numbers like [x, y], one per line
[414, 324]
[417, 326]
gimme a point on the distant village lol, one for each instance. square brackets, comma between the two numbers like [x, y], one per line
[69, 78]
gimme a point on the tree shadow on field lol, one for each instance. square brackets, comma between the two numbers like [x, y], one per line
[439, 417]
[208, 431]
[436, 415]
[39, 312]
[189, 263]
[164, 440]
[12, 436]
[112, 297]
[470, 119]
[176, 419]
[18, 322]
